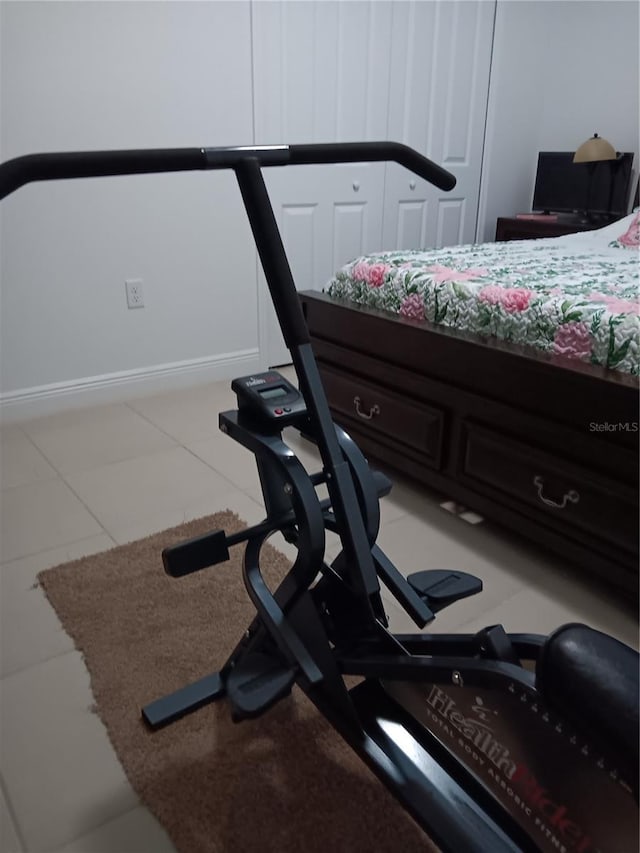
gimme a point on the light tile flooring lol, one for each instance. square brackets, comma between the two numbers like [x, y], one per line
[79, 482]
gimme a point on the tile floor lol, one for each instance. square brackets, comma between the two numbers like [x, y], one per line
[79, 482]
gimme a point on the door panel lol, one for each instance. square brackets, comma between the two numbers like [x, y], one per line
[441, 56]
[321, 70]
[324, 223]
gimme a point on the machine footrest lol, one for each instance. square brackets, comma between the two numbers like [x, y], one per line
[439, 588]
[184, 701]
[256, 683]
[195, 554]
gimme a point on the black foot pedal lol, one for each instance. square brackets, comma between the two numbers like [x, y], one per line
[257, 682]
[439, 588]
[195, 554]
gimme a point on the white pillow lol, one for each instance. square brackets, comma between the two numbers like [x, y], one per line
[605, 235]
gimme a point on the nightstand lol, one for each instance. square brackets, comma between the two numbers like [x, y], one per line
[511, 228]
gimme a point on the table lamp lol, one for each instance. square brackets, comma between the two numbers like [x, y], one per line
[592, 152]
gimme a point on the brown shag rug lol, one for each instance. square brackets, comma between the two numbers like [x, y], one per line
[285, 782]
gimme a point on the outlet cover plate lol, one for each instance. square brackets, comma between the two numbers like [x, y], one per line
[135, 296]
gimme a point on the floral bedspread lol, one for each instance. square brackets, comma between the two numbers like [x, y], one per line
[570, 300]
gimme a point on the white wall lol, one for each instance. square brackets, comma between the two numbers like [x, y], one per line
[561, 71]
[124, 75]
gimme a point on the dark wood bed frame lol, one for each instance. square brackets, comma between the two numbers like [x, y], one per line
[545, 446]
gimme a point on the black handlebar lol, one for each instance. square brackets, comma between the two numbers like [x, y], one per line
[87, 164]
[90, 164]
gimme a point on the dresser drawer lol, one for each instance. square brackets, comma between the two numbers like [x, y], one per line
[561, 493]
[384, 415]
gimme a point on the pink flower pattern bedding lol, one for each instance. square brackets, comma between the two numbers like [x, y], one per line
[562, 298]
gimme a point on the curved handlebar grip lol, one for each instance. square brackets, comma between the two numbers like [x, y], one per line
[90, 164]
[367, 152]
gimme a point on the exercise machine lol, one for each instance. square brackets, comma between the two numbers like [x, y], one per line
[492, 741]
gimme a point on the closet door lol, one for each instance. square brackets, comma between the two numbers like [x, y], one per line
[413, 72]
[321, 74]
[438, 92]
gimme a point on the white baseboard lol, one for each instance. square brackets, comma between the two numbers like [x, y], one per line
[42, 400]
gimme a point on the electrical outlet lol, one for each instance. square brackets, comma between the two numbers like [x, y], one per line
[135, 297]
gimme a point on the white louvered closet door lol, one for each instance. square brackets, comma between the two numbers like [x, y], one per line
[350, 71]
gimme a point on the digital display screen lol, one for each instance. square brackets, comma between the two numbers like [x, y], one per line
[270, 393]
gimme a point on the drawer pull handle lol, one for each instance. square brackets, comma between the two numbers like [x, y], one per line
[373, 411]
[571, 496]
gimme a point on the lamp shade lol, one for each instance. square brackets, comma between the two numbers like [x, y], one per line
[593, 150]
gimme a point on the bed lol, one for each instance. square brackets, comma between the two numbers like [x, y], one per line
[505, 376]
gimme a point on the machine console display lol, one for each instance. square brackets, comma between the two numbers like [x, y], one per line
[269, 397]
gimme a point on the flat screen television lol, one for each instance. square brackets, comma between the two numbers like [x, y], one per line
[562, 186]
